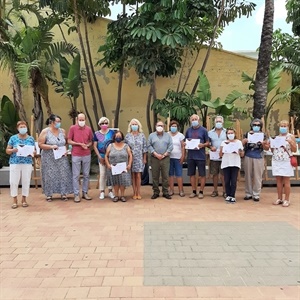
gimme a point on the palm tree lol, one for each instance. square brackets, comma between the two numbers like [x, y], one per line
[263, 62]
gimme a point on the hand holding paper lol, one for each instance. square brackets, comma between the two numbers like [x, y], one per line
[118, 168]
[192, 144]
[25, 150]
[59, 152]
[255, 137]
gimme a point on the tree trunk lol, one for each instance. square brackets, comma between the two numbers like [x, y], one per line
[153, 86]
[17, 97]
[88, 74]
[42, 89]
[263, 62]
[148, 108]
[119, 97]
[37, 112]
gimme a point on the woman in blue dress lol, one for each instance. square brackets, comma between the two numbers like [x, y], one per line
[136, 140]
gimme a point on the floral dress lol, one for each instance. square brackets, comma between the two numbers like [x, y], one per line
[56, 173]
[138, 146]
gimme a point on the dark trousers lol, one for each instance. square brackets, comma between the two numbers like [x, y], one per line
[230, 179]
[157, 167]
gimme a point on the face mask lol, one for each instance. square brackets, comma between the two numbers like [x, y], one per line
[22, 130]
[57, 125]
[195, 123]
[219, 125]
[230, 136]
[159, 129]
[283, 130]
[173, 129]
[104, 126]
[81, 123]
[118, 139]
[134, 127]
[256, 128]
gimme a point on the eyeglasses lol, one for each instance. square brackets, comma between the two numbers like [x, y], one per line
[106, 123]
[255, 124]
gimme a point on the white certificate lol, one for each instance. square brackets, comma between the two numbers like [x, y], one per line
[59, 152]
[25, 150]
[214, 155]
[277, 142]
[118, 168]
[192, 144]
[231, 148]
[255, 137]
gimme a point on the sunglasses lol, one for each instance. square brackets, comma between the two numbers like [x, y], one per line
[106, 123]
[256, 124]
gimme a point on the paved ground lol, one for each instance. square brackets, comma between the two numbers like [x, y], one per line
[144, 249]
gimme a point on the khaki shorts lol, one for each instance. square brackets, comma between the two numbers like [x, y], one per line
[215, 167]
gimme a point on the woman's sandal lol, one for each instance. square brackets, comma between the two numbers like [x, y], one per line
[49, 199]
[24, 204]
[116, 199]
[64, 198]
[123, 199]
[15, 205]
[138, 197]
[277, 202]
[286, 203]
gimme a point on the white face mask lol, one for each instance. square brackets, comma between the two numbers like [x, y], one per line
[159, 129]
[81, 123]
[230, 136]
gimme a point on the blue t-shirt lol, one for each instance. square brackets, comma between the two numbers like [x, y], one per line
[197, 133]
[14, 142]
[254, 150]
[102, 141]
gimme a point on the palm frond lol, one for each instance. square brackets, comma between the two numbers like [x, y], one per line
[23, 71]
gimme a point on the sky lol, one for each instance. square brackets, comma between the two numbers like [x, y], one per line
[244, 34]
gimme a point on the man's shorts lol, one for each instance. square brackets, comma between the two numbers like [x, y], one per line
[215, 167]
[192, 164]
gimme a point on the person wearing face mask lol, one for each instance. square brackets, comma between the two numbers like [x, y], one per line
[56, 172]
[176, 158]
[101, 139]
[19, 166]
[119, 152]
[254, 161]
[216, 136]
[136, 140]
[231, 151]
[197, 157]
[80, 137]
[281, 165]
[160, 145]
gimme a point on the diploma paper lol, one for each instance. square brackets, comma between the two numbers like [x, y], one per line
[25, 150]
[231, 148]
[214, 155]
[277, 142]
[192, 144]
[59, 152]
[255, 137]
[118, 168]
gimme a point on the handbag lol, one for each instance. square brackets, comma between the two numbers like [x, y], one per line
[294, 162]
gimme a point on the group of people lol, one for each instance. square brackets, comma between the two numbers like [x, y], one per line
[122, 159]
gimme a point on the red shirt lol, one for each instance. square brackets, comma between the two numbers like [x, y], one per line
[80, 135]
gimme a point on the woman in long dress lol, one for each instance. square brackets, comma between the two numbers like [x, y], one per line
[137, 142]
[56, 173]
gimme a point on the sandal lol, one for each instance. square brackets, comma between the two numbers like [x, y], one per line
[49, 199]
[24, 204]
[277, 202]
[138, 198]
[171, 193]
[116, 199]
[64, 197]
[15, 205]
[182, 194]
[134, 197]
[214, 194]
[123, 199]
[286, 203]
[224, 195]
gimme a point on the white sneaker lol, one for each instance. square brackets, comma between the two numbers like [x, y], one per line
[101, 195]
[111, 195]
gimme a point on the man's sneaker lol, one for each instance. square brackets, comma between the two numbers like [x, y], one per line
[232, 200]
[76, 198]
[193, 195]
[200, 196]
[228, 199]
[256, 198]
[86, 196]
[111, 195]
[101, 195]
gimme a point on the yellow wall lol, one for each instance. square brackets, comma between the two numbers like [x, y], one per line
[223, 70]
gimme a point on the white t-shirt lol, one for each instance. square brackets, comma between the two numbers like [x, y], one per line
[177, 139]
[231, 159]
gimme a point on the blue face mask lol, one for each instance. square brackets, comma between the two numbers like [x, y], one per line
[173, 129]
[283, 130]
[118, 139]
[22, 130]
[218, 125]
[256, 128]
[195, 123]
[134, 127]
[57, 125]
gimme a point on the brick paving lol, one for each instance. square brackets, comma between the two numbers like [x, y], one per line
[100, 250]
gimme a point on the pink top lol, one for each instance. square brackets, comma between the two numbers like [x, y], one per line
[80, 135]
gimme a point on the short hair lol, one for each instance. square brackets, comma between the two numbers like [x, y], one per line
[52, 118]
[174, 122]
[219, 117]
[138, 122]
[284, 122]
[256, 120]
[195, 115]
[101, 120]
[21, 123]
[114, 136]
[230, 129]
